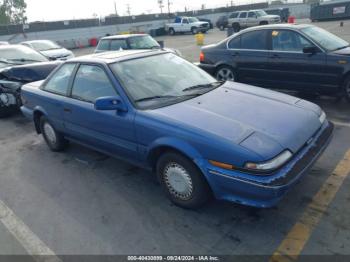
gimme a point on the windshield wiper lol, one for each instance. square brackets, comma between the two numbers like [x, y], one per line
[164, 97]
[339, 48]
[24, 60]
[7, 62]
[205, 86]
[154, 98]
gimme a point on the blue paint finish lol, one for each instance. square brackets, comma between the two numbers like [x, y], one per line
[232, 124]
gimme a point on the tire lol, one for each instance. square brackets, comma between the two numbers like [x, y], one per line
[54, 140]
[236, 27]
[346, 89]
[225, 73]
[263, 23]
[182, 181]
[222, 28]
[172, 31]
[194, 30]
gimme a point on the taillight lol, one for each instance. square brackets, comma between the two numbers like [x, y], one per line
[201, 57]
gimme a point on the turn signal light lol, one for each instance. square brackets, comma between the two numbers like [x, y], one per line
[221, 165]
[201, 57]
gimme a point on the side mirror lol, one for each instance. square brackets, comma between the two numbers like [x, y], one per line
[110, 103]
[310, 50]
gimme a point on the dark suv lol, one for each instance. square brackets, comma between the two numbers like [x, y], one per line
[302, 58]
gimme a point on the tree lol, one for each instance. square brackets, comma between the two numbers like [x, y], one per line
[13, 12]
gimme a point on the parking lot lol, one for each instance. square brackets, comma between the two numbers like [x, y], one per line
[81, 202]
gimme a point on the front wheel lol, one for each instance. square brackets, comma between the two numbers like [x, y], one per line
[194, 30]
[182, 181]
[225, 73]
[55, 140]
[346, 89]
[222, 28]
[236, 27]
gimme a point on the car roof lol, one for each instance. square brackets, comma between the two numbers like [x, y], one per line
[121, 36]
[116, 56]
[276, 26]
[36, 41]
[4, 47]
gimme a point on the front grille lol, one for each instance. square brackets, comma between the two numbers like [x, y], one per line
[307, 158]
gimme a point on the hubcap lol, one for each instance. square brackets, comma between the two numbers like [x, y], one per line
[225, 74]
[178, 181]
[50, 133]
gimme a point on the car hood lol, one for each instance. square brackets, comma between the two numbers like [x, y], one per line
[260, 120]
[200, 23]
[56, 53]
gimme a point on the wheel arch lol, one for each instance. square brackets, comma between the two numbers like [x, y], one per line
[38, 112]
[163, 145]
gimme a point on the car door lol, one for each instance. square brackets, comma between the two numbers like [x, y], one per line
[185, 26]
[57, 90]
[242, 18]
[249, 54]
[108, 131]
[252, 19]
[289, 67]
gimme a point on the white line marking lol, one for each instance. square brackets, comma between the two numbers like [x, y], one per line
[31, 243]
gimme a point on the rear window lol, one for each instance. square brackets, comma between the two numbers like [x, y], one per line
[254, 40]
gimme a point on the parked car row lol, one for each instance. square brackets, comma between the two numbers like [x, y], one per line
[35, 55]
[302, 58]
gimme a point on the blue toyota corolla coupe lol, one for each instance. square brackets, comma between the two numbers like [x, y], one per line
[201, 137]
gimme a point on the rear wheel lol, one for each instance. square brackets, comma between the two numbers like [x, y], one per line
[55, 140]
[346, 89]
[225, 73]
[182, 181]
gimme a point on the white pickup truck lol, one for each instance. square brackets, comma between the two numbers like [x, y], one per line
[187, 24]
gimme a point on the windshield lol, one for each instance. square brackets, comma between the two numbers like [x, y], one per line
[44, 45]
[170, 79]
[20, 54]
[193, 19]
[143, 42]
[260, 13]
[325, 39]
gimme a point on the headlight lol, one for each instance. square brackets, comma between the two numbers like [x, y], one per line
[271, 164]
[322, 117]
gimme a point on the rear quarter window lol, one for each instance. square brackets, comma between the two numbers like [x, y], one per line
[59, 82]
[235, 43]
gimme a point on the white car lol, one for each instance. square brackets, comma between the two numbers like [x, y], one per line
[49, 49]
[187, 25]
[245, 19]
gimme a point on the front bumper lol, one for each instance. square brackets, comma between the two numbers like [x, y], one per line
[266, 191]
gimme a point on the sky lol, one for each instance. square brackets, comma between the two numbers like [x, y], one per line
[51, 10]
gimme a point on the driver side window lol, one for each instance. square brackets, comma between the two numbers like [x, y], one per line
[91, 82]
[287, 40]
[185, 21]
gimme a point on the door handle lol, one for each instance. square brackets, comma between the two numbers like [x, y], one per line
[275, 56]
[67, 110]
